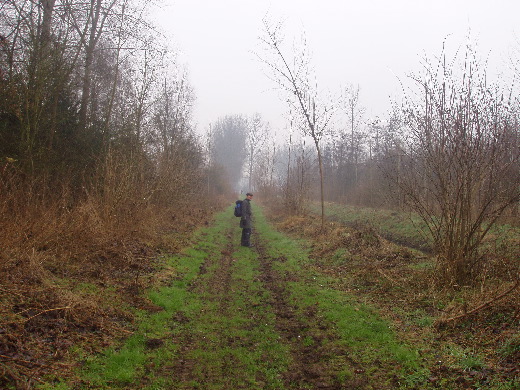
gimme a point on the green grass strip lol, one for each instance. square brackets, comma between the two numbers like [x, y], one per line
[118, 367]
[237, 345]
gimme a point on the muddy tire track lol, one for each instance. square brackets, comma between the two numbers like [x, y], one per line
[316, 354]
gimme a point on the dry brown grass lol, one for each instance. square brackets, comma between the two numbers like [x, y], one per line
[72, 270]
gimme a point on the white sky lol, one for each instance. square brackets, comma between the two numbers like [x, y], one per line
[365, 42]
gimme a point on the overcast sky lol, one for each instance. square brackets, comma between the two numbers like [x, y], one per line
[369, 43]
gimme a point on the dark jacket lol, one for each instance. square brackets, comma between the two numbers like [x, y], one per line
[245, 220]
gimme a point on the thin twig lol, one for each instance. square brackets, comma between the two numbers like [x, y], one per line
[484, 305]
[12, 292]
[34, 363]
[389, 278]
[22, 361]
[119, 329]
[36, 315]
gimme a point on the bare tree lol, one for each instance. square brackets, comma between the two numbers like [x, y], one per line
[264, 172]
[459, 168]
[256, 138]
[89, 21]
[294, 77]
[35, 74]
[354, 114]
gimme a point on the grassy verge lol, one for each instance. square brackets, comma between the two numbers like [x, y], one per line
[409, 230]
[473, 351]
[123, 365]
[403, 228]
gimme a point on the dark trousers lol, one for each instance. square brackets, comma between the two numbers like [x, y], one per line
[246, 237]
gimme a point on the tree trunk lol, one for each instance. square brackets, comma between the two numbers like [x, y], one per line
[95, 10]
[48, 9]
[322, 196]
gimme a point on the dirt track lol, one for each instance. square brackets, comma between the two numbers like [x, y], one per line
[314, 358]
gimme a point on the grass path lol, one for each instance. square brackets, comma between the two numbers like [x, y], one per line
[253, 318]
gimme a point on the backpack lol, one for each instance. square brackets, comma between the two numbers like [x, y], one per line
[238, 208]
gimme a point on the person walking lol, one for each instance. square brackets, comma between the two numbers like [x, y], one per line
[246, 221]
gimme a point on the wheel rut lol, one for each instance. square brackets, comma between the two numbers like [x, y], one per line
[316, 355]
